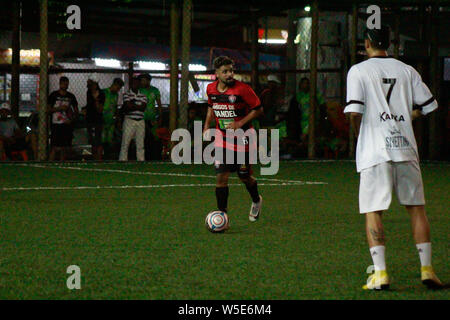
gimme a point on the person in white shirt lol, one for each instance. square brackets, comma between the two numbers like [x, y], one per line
[384, 95]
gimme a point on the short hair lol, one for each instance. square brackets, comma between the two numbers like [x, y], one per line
[63, 79]
[222, 61]
[118, 82]
[145, 76]
[379, 38]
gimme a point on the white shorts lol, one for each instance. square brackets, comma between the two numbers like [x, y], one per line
[377, 182]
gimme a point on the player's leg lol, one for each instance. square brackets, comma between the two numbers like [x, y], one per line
[222, 188]
[379, 280]
[244, 172]
[421, 233]
[375, 194]
[409, 189]
[252, 187]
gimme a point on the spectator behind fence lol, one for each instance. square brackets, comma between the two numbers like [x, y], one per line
[134, 104]
[304, 104]
[11, 137]
[63, 107]
[95, 99]
[109, 115]
[270, 101]
[152, 117]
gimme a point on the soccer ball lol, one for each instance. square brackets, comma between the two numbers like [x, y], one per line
[217, 221]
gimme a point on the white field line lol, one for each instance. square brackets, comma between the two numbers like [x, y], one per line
[138, 187]
[168, 174]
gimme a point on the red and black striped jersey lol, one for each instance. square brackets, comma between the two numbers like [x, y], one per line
[232, 105]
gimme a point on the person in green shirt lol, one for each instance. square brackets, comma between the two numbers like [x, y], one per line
[304, 103]
[152, 117]
[109, 112]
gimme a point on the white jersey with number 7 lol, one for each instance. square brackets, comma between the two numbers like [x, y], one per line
[385, 91]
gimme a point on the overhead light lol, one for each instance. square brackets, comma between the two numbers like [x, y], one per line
[272, 41]
[307, 8]
[108, 63]
[151, 65]
[195, 67]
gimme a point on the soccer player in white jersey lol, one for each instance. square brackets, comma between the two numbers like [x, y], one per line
[384, 95]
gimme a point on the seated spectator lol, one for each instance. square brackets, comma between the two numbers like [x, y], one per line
[11, 137]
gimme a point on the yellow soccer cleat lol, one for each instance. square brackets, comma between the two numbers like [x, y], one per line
[430, 279]
[377, 281]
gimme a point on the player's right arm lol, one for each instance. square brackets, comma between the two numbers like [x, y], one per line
[209, 118]
[210, 112]
[355, 98]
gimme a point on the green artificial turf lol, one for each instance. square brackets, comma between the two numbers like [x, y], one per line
[151, 243]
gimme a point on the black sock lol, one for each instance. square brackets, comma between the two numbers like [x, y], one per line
[253, 190]
[222, 198]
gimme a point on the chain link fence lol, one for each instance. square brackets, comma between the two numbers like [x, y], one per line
[285, 108]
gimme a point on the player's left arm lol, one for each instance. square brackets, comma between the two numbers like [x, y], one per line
[256, 110]
[255, 113]
[355, 119]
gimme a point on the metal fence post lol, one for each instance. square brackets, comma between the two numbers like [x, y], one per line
[185, 52]
[174, 39]
[43, 81]
[15, 63]
[313, 80]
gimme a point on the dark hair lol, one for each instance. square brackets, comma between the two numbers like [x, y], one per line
[145, 76]
[118, 82]
[222, 61]
[63, 79]
[379, 38]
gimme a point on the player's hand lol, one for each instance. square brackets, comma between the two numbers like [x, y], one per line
[206, 134]
[234, 125]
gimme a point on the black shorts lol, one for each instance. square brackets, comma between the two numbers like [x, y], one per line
[61, 135]
[243, 170]
[94, 131]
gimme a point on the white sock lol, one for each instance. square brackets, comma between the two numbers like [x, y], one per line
[378, 259]
[424, 253]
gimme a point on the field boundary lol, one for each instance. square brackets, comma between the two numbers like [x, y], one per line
[168, 174]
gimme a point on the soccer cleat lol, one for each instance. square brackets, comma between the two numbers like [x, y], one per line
[377, 281]
[430, 279]
[255, 210]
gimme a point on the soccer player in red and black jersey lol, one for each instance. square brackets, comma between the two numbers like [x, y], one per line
[233, 105]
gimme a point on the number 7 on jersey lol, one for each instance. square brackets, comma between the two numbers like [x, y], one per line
[390, 81]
